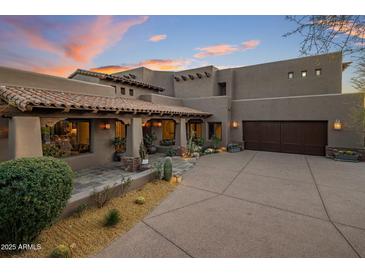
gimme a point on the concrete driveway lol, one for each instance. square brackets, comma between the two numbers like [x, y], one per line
[256, 204]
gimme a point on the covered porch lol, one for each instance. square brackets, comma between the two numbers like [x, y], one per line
[83, 129]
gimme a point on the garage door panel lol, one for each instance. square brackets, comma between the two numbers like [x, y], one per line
[302, 137]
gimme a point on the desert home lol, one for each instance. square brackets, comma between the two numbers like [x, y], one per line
[292, 106]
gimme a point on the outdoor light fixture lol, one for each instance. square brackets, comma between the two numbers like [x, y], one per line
[234, 124]
[157, 124]
[106, 126]
[337, 125]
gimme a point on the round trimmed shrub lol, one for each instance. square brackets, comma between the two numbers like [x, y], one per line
[140, 200]
[33, 193]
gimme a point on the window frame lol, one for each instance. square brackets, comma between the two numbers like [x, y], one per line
[305, 73]
[131, 92]
[222, 85]
[210, 137]
[122, 90]
[318, 70]
[291, 75]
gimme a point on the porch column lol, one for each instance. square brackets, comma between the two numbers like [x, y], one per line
[134, 137]
[25, 137]
[181, 132]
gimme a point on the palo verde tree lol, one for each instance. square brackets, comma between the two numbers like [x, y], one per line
[324, 33]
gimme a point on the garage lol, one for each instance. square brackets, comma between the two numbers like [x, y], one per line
[301, 137]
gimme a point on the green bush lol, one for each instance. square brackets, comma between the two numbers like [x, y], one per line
[33, 193]
[171, 152]
[112, 217]
[167, 169]
[61, 251]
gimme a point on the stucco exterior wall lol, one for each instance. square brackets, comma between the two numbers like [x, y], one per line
[4, 140]
[271, 79]
[161, 99]
[16, 77]
[220, 106]
[196, 88]
[321, 108]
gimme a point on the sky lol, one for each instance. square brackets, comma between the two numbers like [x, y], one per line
[58, 45]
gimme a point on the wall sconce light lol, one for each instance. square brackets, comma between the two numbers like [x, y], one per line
[74, 131]
[234, 124]
[337, 125]
[106, 126]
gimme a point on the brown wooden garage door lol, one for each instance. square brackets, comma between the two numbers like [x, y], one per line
[302, 137]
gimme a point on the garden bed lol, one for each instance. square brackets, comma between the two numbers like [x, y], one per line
[86, 235]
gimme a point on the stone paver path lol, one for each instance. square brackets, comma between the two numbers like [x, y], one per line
[88, 179]
[256, 204]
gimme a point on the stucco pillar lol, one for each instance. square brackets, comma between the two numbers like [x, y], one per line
[25, 137]
[134, 137]
[181, 132]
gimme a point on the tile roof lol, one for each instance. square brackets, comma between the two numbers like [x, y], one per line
[121, 79]
[27, 98]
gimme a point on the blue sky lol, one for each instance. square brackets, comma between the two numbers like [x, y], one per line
[60, 44]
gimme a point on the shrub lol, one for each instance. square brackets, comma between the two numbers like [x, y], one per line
[140, 200]
[167, 169]
[61, 251]
[171, 152]
[101, 197]
[80, 210]
[112, 218]
[33, 193]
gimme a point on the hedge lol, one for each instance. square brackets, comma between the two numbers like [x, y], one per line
[33, 193]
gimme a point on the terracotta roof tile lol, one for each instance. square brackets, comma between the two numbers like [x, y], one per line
[121, 79]
[26, 98]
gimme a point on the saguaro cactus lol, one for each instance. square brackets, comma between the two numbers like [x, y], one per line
[167, 168]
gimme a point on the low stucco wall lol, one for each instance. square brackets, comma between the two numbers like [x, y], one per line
[321, 108]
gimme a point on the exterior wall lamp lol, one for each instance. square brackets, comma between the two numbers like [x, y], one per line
[337, 125]
[106, 126]
[234, 124]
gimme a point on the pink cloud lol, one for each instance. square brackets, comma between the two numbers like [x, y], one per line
[224, 49]
[155, 64]
[158, 37]
[76, 47]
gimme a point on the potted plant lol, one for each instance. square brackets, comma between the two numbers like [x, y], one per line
[347, 156]
[148, 141]
[119, 145]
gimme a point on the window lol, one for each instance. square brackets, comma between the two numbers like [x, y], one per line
[222, 89]
[215, 129]
[122, 91]
[131, 92]
[66, 138]
[304, 73]
[115, 89]
[195, 126]
[168, 130]
[290, 75]
[318, 72]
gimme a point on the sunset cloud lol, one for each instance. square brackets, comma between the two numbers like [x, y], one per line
[224, 49]
[155, 64]
[69, 45]
[158, 37]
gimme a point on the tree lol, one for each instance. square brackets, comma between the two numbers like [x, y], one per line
[324, 33]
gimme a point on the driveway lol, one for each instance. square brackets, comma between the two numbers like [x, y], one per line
[256, 204]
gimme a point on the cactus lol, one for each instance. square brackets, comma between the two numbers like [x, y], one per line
[140, 200]
[167, 169]
[61, 251]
